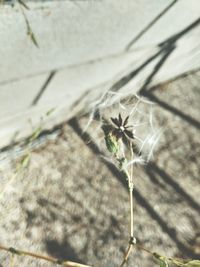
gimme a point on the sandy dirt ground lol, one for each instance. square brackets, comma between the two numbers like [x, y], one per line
[72, 204]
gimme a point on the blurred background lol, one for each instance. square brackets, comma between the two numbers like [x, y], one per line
[63, 63]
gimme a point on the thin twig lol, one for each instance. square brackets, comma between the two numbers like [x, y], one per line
[42, 257]
[126, 255]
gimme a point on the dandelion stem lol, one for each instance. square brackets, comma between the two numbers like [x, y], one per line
[128, 251]
[131, 193]
[131, 212]
[130, 185]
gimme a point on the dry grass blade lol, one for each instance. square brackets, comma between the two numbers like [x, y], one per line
[28, 26]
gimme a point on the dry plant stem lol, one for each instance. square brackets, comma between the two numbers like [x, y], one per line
[130, 185]
[12, 257]
[129, 250]
[144, 249]
[126, 255]
[42, 257]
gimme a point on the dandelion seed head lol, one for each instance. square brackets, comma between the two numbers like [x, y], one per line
[141, 122]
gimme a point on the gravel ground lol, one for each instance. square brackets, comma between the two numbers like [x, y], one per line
[72, 204]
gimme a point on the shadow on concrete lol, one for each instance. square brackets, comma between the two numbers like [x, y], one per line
[152, 168]
[172, 109]
[47, 212]
[61, 250]
[154, 21]
[165, 50]
[43, 88]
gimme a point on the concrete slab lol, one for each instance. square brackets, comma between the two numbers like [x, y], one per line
[71, 84]
[69, 33]
[17, 96]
